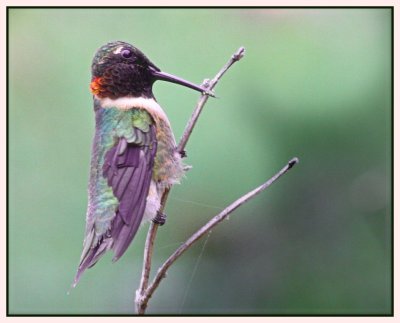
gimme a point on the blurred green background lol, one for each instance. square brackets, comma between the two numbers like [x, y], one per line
[315, 84]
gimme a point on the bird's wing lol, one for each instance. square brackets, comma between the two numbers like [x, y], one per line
[127, 168]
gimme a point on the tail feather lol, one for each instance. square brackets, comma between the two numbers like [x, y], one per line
[91, 257]
[118, 240]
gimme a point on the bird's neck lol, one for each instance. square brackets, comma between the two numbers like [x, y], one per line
[128, 102]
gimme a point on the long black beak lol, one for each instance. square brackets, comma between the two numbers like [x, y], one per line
[158, 75]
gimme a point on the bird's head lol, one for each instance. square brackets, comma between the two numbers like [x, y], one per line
[121, 70]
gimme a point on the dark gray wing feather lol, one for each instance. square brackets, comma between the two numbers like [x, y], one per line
[128, 168]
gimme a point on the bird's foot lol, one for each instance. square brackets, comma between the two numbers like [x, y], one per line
[160, 218]
[183, 153]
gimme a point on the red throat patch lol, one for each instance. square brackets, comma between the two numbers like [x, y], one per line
[96, 85]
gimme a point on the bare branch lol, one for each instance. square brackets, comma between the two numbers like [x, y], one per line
[161, 273]
[151, 235]
[148, 254]
[203, 99]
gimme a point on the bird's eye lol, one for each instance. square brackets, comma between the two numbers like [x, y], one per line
[126, 53]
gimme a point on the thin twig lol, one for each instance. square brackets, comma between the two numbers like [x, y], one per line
[151, 235]
[161, 273]
[147, 257]
[203, 99]
[147, 261]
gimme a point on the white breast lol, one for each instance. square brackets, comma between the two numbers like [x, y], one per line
[127, 103]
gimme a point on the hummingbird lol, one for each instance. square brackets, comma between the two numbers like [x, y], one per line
[134, 155]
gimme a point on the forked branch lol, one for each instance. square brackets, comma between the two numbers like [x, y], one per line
[161, 273]
[151, 235]
[145, 291]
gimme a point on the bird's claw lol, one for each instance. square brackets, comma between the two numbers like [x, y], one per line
[160, 218]
[183, 153]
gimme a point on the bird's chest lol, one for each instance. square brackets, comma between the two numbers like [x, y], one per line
[168, 167]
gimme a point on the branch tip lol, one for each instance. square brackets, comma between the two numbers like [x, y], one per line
[146, 290]
[206, 83]
[293, 162]
[239, 54]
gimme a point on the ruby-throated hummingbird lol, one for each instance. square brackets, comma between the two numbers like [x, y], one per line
[134, 155]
